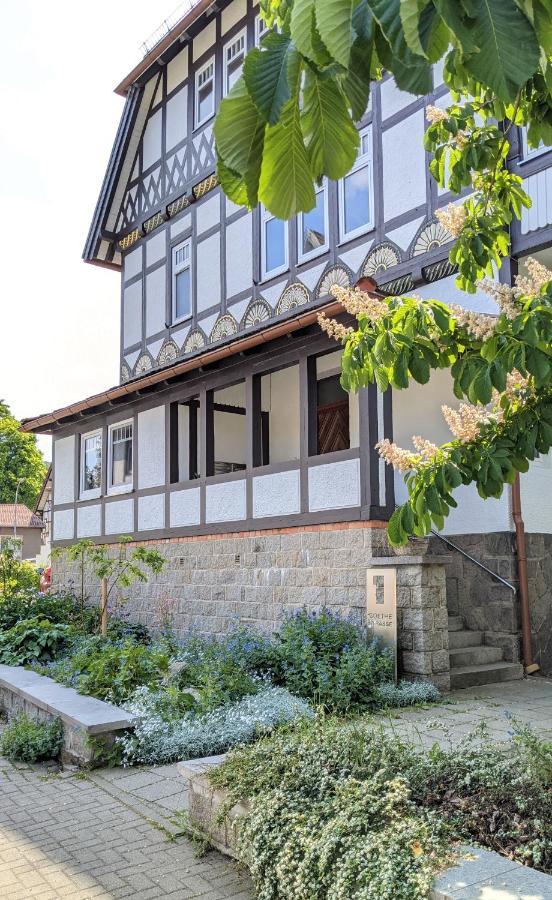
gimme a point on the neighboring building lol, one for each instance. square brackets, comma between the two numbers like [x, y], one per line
[43, 509]
[229, 441]
[28, 528]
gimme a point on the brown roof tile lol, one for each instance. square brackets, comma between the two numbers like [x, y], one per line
[25, 518]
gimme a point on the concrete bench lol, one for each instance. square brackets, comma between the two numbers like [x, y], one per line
[478, 875]
[89, 725]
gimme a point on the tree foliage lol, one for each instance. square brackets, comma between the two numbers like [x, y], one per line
[290, 118]
[19, 458]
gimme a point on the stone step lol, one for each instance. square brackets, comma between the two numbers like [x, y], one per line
[455, 623]
[475, 656]
[472, 676]
[465, 638]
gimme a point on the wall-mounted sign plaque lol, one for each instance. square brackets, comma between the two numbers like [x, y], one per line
[381, 607]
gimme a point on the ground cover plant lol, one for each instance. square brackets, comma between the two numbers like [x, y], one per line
[343, 809]
[32, 640]
[27, 740]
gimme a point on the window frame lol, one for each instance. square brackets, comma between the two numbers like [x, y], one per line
[317, 251]
[176, 269]
[199, 72]
[241, 35]
[364, 160]
[531, 152]
[267, 274]
[259, 35]
[90, 493]
[118, 488]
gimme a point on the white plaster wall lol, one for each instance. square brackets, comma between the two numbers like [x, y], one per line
[204, 40]
[404, 166]
[417, 410]
[232, 14]
[536, 491]
[208, 213]
[64, 470]
[539, 188]
[185, 507]
[132, 314]
[132, 263]
[64, 524]
[393, 99]
[446, 290]
[156, 310]
[277, 494]
[119, 517]
[89, 521]
[208, 272]
[280, 397]
[151, 142]
[239, 256]
[225, 502]
[177, 118]
[151, 512]
[334, 485]
[156, 247]
[181, 225]
[151, 447]
[177, 70]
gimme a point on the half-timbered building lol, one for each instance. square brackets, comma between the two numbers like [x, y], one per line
[229, 441]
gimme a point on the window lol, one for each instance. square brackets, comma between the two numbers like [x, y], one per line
[91, 465]
[355, 193]
[336, 411]
[229, 445]
[205, 93]
[274, 244]
[185, 448]
[260, 30]
[278, 428]
[120, 457]
[234, 54]
[312, 227]
[531, 152]
[181, 282]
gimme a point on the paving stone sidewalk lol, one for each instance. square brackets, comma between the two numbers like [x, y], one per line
[113, 833]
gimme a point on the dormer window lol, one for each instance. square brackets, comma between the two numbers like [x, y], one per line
[205, 93]
[234, 55]
[181, 282]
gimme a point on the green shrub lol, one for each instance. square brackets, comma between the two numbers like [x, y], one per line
[27, 604]
[406, 693]
[113, 671]
[15, 574]
[330, 661]
[121, 630]
[33, 640]
[27, 740]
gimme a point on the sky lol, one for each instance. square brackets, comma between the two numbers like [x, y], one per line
[59, 317]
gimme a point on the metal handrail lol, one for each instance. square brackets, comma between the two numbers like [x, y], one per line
[167, 25]
[476, 562]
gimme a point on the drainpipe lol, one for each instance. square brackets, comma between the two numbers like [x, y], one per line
[529, 663]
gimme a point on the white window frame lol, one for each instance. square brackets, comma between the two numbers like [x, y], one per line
[201, 71]
[266, 274]
[531, 152]
[260, 29]
[241, 37]
[176, 269]
[118, 488]
[364, 160]
[303, 257]
[91, 493]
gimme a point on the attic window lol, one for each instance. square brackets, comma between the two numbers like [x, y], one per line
[234, 54]
[205, 93]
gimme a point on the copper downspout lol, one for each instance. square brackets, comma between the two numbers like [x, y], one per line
[521, 552]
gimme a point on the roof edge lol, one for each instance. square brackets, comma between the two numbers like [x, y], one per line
[164, 44]
[45, 422]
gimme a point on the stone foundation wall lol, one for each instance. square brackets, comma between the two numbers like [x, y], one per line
[539, 576]
[254, 578]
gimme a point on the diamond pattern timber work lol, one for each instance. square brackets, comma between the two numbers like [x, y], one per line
[385, 256]
[224, 327]
[336, 275]
[256, 312]
[294, 295]
[203, 152]
[168, 352]
[194, 341]
[429, 237]
[175, 171]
